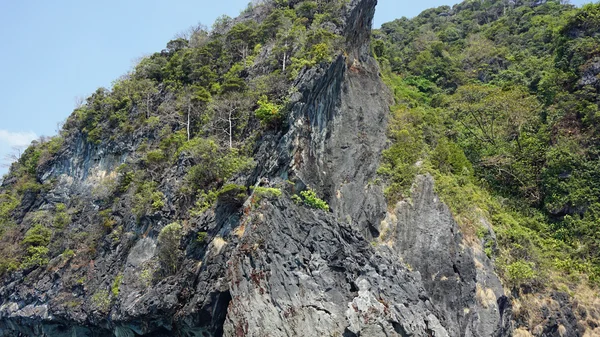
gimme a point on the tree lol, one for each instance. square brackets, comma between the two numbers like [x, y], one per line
[228, 113]
[191, 102]
[147, 89]
[287, 40]
[196, 35]
[13, 155]
[241, 38]
[168, 247]
[491, 114]
[176, 45]
[233, 81]
[500, 132]
[220, 25]
[481, 58]
[307, 9]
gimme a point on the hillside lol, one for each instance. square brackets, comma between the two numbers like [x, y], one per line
[499, 102]
[291, 172]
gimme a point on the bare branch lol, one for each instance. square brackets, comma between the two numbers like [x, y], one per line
[79, 101]
[12, 156]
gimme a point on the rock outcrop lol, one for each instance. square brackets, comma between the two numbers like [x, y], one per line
[459, 280]
[273, 267]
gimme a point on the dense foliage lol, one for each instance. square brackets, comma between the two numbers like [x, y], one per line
[499, 101]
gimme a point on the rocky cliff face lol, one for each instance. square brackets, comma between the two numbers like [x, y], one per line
[273, 267]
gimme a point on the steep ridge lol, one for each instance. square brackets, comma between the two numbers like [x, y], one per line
[271, 266]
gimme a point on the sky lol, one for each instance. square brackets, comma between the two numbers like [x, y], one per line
[54, 52]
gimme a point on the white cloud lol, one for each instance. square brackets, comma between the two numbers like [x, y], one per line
[9, 140]
[16, 138]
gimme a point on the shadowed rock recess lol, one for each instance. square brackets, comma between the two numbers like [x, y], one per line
[364, 268]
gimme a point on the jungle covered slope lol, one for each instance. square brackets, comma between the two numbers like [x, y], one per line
[499, 101]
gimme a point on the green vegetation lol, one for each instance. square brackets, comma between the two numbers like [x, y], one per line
[36, 240]
[68, 254]
[499, 105]
[201, 237]
[125, 178]
[212, 165]
[8, 203]
[168, 247]
[520, 273]
[232, 194]
[312, 200]
[266, 193]
[61, 217]
[204, 202]
[204, 67]
[228, 194]
[147, 199]
[38, 235]
[267, 111]
[37, 256]
[106, 219]
[116, 285]
[101, 300]
[147, 276]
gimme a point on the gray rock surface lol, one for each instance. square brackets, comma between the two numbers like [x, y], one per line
[314, 276]
[460, 282]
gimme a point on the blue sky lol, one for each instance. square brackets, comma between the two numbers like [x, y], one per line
[56, 51]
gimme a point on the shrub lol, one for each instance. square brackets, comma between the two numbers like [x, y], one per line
[320, 52]
[147, 199]
[116, 285]
[266, 192]
[28, 161]
[106, 219]
[213, 165]
[201, 237]
[146, 276]
[101, 300]
[267, 111]
[204, 202]
[8, 203]
[168, 247]
[311, 199]
[68, 254]
[37, 256]
[61, 217]
[125, 178]
[153, 121]
[8, 265]
[49, 148]
[307, 9]
[232, 194]
[27, 184]
[398, 164]
[520, 273]
[450, 158]
[38, 235]
[155, 157]
[54, 145]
